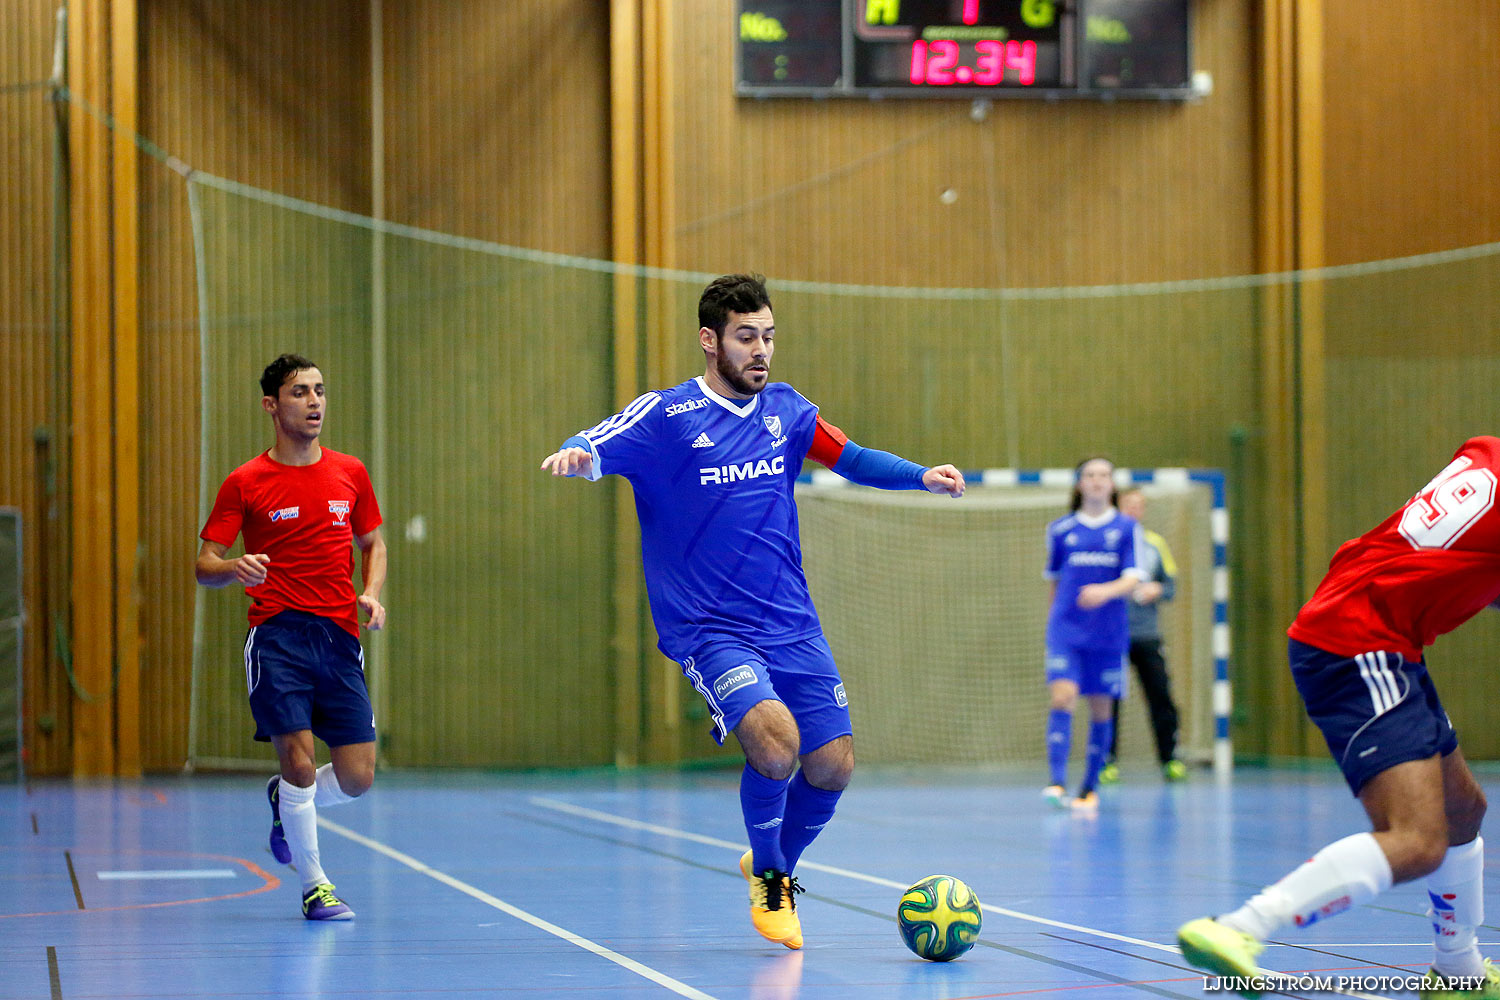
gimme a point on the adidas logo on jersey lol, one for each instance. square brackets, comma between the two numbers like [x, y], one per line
[703, 441]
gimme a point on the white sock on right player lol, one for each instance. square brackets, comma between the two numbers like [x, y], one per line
[1456, 892]
[1344, 874]
[329, 792]
[299, 821]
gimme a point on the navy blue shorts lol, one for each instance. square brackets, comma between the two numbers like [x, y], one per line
[304, 671]
[1095, 671]
[733, 678]
[1375, 709]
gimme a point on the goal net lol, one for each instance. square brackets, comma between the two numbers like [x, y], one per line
[937, 611]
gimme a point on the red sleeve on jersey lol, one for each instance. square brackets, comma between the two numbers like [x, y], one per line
[227, 516]
[366, 510]
[827, 443]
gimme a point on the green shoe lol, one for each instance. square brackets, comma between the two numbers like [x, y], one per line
[1109, 774]
[1432, 987]
[1174, 770]
[1220, 950]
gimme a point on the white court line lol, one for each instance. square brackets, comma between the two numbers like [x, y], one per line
[698, 838]
[158, 873]
[667, 831]
[661, 979]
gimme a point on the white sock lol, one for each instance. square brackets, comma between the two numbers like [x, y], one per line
[329, 792]
[1456, 892]
[299, 822]
[1345, 873]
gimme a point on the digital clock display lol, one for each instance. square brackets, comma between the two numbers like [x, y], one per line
[1011, 48]
[958, 43]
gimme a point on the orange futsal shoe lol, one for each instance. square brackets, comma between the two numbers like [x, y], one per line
[773, 904]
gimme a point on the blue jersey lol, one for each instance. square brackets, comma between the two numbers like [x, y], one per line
[1082, 550]
[713, 480]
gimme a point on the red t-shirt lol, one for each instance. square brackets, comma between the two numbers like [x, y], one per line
[1425, 570]
[305, 517]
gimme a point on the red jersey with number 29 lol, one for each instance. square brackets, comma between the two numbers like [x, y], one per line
[305, 517]
[1424, 571]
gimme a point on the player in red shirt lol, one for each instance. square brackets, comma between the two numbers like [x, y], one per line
[300, 506]
[1356, 656]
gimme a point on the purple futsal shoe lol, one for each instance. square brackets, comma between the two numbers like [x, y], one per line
[319, 903]
[280, 849]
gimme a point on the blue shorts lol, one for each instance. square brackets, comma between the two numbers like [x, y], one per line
[1095, 671]
[733, 678]
[1376, 710]
[304, 671]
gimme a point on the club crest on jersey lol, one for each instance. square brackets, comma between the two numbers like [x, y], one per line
[773, 424]
[286, 513]
[339, 509]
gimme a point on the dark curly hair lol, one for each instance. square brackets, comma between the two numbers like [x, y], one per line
[741, 293]
[275, 375]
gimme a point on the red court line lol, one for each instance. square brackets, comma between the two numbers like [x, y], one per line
[268, 880]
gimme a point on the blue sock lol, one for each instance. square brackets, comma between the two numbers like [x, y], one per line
[1059, 742]
[763, 800]
[1099, 734]
[808, 810]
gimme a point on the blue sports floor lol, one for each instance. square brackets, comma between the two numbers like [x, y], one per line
[610, 885]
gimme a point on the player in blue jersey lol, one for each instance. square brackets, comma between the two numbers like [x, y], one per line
[1092, 563]
[713, 462]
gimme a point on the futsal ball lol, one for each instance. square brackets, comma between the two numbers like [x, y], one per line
[939, 918]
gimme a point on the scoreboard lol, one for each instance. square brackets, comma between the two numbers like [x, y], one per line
[1098, 49]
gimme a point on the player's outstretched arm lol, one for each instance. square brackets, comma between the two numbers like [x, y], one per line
[213, 570]
[569, 462]
[944, 479]
[832, 448]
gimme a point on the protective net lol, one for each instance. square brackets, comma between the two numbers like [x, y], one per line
[937, 613]
[519, 635]
[451, 401]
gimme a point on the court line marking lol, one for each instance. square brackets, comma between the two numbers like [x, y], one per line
[73, 876]
[699, 838]
[269, 882]
[54, 975]
[167, 873]
[422, 868]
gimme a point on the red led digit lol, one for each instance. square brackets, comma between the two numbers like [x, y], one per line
[918, 62]
[990, 65]
[1021, 57]
[945, 57]
[971, 11]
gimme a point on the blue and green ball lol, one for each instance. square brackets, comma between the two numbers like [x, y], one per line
[939, 918]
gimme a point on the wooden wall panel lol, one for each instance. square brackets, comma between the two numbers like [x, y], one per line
[497, 121]
[33, 475]
[264, 92]
[497, 128]
[1413, 129]
[1047, 193]
[484, 138]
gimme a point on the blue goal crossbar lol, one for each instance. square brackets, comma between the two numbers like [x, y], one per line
[1213, 479]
